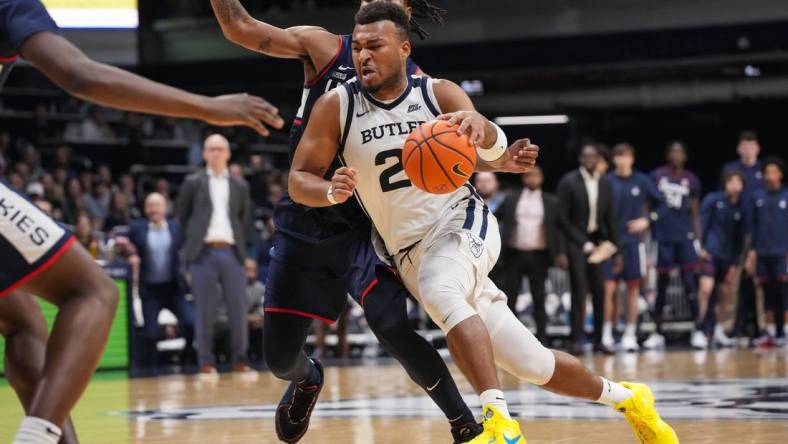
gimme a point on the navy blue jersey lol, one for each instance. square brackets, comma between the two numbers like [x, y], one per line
[675, 218]
[768, 222]
[19, 19]
[630, 196]
[722, 226]
[753, 176]
[323, 222]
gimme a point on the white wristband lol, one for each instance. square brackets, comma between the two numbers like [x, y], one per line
[330, 195]
[497, 150]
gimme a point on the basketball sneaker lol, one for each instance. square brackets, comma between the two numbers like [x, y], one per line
[721, 339]
[643, 417]
[295, 408]
[698, 340]
[629, 343]
[655, 341]
[498, 429]
[466, 432]
[765, 341]
[608, 341]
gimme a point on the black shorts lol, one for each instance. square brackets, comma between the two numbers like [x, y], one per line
[30, 241]
[314, 278]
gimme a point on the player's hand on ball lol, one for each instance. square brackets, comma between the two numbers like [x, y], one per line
[243, 109]
[522, 157]
[343, 183]
[469, 122]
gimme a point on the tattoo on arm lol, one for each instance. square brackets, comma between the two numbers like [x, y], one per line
[229, 10]
[265, 44]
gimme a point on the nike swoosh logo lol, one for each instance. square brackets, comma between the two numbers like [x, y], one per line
[52, 432]
[456, 170]
[429, 389]
[512, 440]
[345, 68]
[362, 114]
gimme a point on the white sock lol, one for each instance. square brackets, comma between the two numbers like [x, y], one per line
[37, 431]
[495, 398]
[613, 393]
[607, 330]
[630, 330]
[771, 330]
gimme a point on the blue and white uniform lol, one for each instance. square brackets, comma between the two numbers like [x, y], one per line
[673, 228]
[722, 228]
[320, 255]
[631, 195]
[418, 228]
[30, 241]
[768, 219]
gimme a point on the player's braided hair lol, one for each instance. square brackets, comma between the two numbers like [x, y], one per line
[422, 9]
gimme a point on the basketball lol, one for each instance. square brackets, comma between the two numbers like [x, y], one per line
[436, 159]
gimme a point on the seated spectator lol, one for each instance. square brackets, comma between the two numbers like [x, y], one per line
[74, 203]
[120, 213]
[157, 240]
[23, 170]
[237, 171]
[126, 186]
[16, 181]
[43, 204]
[32, 159]
[83, 231]
[63, 161]
[94, 127]
[97, 200]
[34, 190]
[104, 173]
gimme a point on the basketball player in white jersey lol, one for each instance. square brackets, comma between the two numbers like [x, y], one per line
[443, 245]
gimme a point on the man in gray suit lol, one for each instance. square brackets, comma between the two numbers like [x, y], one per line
[215, 210]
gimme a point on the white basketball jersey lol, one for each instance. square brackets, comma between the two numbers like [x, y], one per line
[373, 134]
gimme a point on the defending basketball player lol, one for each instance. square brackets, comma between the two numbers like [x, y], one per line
[39, 256]
[322, 254]
[443, 245]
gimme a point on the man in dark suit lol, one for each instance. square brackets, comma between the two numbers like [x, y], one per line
[532, 242]
[215, 210]
[158, 241]
[587, 221]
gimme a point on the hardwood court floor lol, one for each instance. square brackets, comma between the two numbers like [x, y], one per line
[733, 396]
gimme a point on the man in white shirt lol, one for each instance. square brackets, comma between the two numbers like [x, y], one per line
[587, 221]
[215, 210]
[532, 242]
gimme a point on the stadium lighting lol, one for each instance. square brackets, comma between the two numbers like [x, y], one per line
[554, 119]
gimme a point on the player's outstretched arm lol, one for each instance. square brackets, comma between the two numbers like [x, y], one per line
[313, 157]
[458, 109]
[298, 42]
[68, 67]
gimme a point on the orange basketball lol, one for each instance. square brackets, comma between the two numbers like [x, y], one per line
[436, 159]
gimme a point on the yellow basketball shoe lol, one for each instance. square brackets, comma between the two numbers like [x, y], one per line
[643, 417]
[498, 429]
